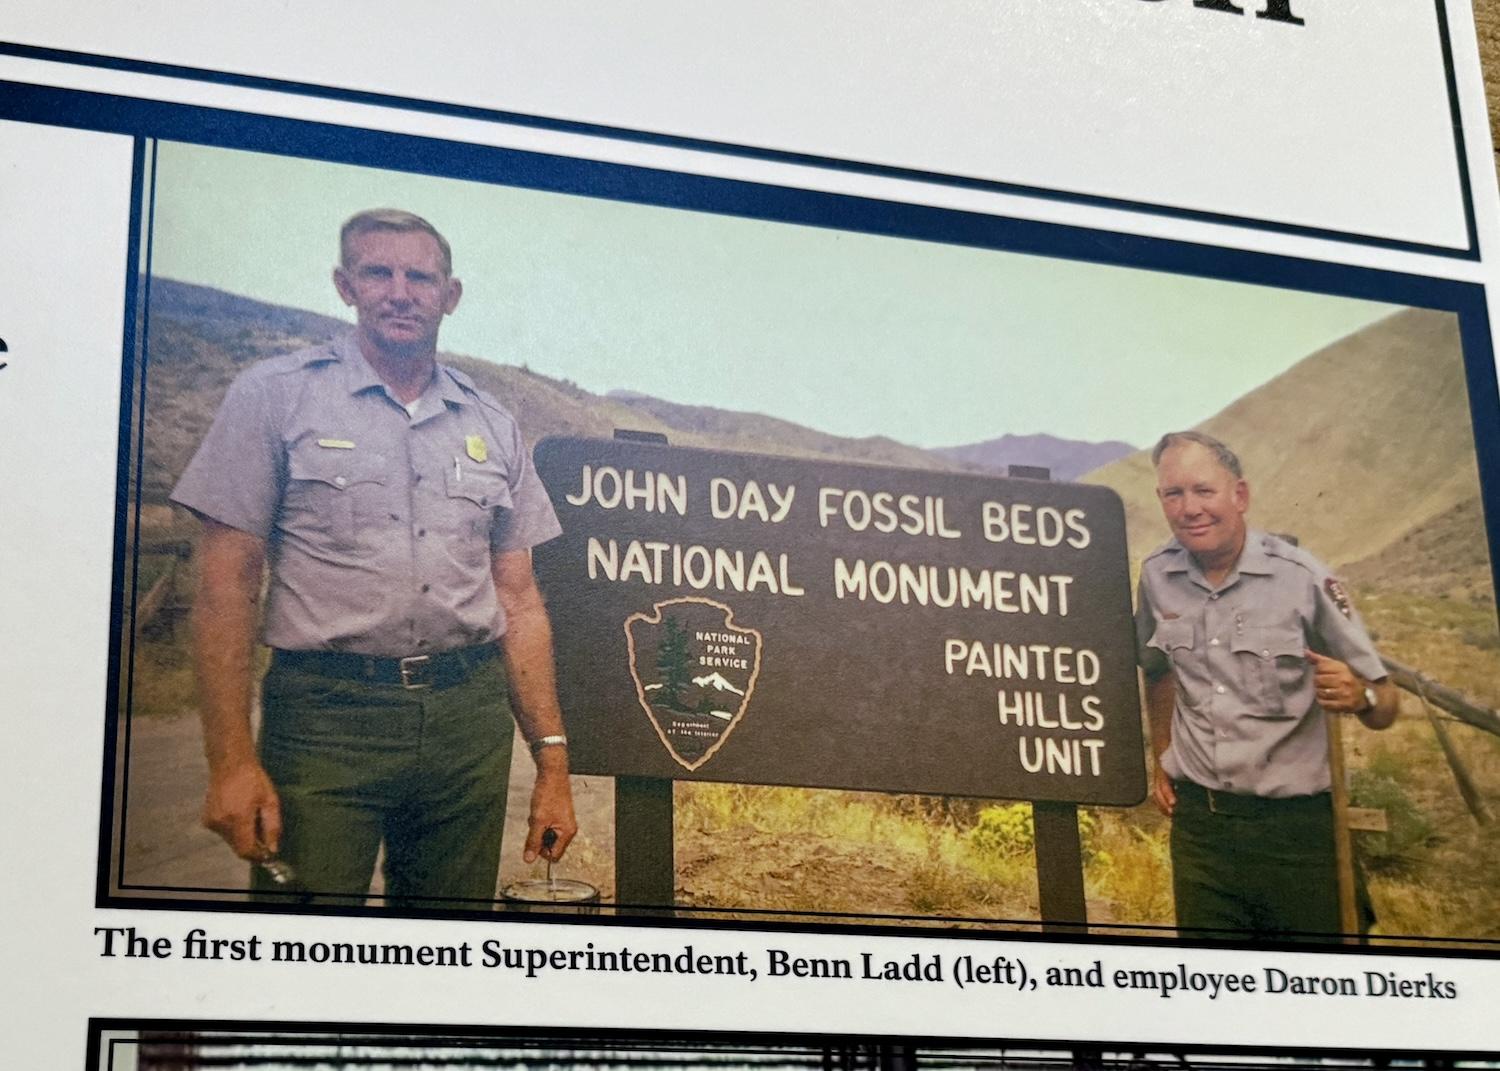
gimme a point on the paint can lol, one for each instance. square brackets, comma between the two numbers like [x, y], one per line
[551, 895]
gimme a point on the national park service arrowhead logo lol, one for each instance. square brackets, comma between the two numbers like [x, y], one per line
[694, 672]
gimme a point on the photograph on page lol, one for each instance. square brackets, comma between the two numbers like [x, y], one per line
[121, 1046]
[490, 547]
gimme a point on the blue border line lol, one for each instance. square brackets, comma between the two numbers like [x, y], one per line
[668, 189]
[146, 217]
[492, 115]
[298, 138]
[125, 509]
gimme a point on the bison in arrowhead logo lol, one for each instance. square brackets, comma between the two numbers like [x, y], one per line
[694, 672]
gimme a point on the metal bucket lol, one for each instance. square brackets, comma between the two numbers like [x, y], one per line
[551, 895]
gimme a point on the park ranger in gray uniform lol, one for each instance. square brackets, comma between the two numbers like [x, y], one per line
[394, 505]
[1247, 643]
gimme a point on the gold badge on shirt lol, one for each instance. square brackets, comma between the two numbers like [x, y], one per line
[336, 444]
[476, 449]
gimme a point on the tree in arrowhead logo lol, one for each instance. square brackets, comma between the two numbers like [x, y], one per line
[694, 672]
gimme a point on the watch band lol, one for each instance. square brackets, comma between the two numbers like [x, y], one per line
[540, 742]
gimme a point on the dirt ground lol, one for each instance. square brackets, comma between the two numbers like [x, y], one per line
[167, 851]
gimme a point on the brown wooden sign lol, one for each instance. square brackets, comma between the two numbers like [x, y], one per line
[770, 620]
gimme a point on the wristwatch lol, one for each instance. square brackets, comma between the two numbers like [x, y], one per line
[548, 741]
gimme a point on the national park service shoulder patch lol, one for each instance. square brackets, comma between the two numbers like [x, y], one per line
[1339, 595]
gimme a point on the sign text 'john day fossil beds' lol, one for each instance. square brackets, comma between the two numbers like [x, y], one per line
[771, 620]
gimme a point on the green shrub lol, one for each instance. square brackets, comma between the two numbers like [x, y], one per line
[1408, 832]
[1385, 765]
[1005, 830]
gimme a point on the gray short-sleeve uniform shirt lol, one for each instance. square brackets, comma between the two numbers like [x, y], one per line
[379, 522]
[1246, 718]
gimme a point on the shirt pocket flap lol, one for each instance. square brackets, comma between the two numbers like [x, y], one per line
[1268, 642]
[486, 488]
[1170, 635]
[336, 468]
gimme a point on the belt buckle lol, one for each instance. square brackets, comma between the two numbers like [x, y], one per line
[1213, 807]
[412, 669]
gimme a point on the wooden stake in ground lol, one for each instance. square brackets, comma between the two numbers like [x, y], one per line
[1343, 842]
[1466, 787]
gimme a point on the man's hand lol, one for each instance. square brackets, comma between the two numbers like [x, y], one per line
[551, 808]
[1162, 792]
[1340, 689]
[243, 808]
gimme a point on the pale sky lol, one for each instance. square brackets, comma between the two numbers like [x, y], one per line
[930, 344]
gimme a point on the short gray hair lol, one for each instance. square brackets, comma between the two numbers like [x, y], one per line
[390, 219]
[1222, 454]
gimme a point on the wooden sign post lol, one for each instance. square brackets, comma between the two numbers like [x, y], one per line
[1343, 841]
[1061, 899]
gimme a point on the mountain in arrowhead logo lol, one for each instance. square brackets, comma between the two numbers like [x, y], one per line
[694, 671]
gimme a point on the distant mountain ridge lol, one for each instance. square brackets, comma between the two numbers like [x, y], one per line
[1354, 448]
[732, 429]
[201, 337]
[1067, 459]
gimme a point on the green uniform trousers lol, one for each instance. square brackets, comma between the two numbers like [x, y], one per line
[1244, 865]
[357, 765]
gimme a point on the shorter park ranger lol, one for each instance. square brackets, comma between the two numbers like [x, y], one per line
[391, 507]
[1248, 643]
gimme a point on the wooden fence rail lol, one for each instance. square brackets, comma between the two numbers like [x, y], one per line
[1440, 695]
[151, 603]
[162, 590]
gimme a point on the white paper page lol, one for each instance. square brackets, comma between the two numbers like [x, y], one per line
[821, 242]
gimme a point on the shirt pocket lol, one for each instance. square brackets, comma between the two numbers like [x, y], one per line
[1173, 638]
[331, 493]
[1273, 661]
[473, 496]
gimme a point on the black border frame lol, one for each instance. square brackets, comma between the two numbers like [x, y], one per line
[142, 119]
[410, 1034]
[568, 126]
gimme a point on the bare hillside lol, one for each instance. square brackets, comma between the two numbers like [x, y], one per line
[1447, 557]
[1351, 448]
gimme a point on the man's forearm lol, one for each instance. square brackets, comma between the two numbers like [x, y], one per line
[241, 804]
[223, 639]
[226, 611]
[1161, 697]
[527, 648]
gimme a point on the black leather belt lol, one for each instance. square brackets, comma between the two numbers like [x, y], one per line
[442, 670]
[1243, 806]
